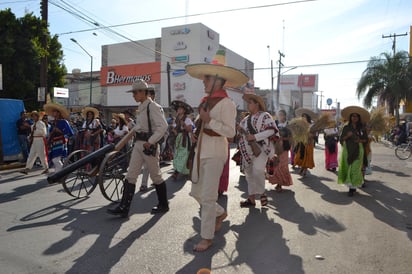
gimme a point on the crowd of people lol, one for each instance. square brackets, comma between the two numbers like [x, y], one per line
[266, 146]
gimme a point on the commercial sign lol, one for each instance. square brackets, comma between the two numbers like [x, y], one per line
[180, 45]
[179, 86]
[303, 82]
[60, 92]
[179, 72]
[180, 59]
[127, 74]
[180, 31]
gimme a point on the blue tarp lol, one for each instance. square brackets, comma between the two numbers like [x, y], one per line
[9, 114]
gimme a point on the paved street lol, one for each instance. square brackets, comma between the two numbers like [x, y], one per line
[311, 227]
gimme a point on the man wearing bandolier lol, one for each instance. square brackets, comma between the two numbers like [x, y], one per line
[150, 127]
[218, 118]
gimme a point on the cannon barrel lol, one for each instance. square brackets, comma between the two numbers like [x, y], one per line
[55, 177]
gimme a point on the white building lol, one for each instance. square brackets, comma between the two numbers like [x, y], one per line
[161, 62]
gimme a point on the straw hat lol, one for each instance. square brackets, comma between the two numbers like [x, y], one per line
[177, 104]
[34, 112]
[95, 112]
[49, 107]
[363, 113]
[120, 116]
[233, 77]
[256, 98]
[300, 111]
[139, 85]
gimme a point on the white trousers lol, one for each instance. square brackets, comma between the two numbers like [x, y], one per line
[151, 163]
[255, 174]
[37, 149]
[205, 191]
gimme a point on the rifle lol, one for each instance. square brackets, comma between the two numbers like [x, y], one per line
[253, 144]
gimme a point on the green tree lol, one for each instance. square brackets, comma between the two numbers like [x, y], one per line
[21, 52]
[387, 78]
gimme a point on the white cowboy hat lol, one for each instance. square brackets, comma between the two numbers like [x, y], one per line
[139, 85]
[233, 77]
[363, 113]
[49, 107]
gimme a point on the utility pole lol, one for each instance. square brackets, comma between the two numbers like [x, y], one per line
[394, 40]
[43, 63]
[278, 84]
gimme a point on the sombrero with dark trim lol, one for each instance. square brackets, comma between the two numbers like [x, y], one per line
[312, 114]
[233, 77]
[363, 113]
[85, 110]
[177, 104]
[49, 107]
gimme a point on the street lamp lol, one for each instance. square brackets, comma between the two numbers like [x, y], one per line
[91, 67]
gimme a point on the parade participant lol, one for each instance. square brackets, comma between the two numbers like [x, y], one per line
[59, 133]
[38, 144]
[217, 114]
[352, 139]
[257, 127]
[150, 127]
[145, 172]
[121, 129]
[23, 131]
[278, 167]
[183, 130]
[331, 135]
[304, 151]
[91, 129]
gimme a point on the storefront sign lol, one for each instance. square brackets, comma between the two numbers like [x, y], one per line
[180, 31]
[180, 45]
[127, 74]
[179, 86]
[180, 59]
[61, 92]
[179, 72]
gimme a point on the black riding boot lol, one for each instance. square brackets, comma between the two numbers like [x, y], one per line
[163, 205]
[123, 208]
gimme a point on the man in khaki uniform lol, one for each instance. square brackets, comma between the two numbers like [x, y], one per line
[218, 115]
[145, 151]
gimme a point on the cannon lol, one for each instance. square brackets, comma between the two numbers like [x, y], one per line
[83, 171]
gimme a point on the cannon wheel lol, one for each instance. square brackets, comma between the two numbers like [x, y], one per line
[111, 175]
[81, 182]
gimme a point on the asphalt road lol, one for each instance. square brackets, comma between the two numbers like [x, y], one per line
[311, 227]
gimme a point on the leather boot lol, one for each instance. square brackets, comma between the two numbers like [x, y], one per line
[123, 208]
[163, 205]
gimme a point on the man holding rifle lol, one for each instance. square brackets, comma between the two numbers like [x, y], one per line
[217, 113]
[150, 128]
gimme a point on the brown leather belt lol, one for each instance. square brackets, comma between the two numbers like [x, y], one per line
[211, 132]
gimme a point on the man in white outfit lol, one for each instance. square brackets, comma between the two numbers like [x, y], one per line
[217, 114]
[38, 146]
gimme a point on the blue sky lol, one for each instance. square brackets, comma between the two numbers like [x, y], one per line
[309, 33]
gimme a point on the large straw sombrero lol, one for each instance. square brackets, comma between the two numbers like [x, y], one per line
[233, 77]
[363, 113]
[120, 116]
[95, 112]
[49, 107]
[177, 104]
[256, 98]
[312, 114]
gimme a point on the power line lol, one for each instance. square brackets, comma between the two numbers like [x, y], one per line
[191, 15]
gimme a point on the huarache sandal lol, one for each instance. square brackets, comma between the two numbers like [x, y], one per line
[247, 203]
[263, 200]
[278, 188]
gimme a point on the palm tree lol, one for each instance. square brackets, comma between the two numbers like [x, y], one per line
[387, 78]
